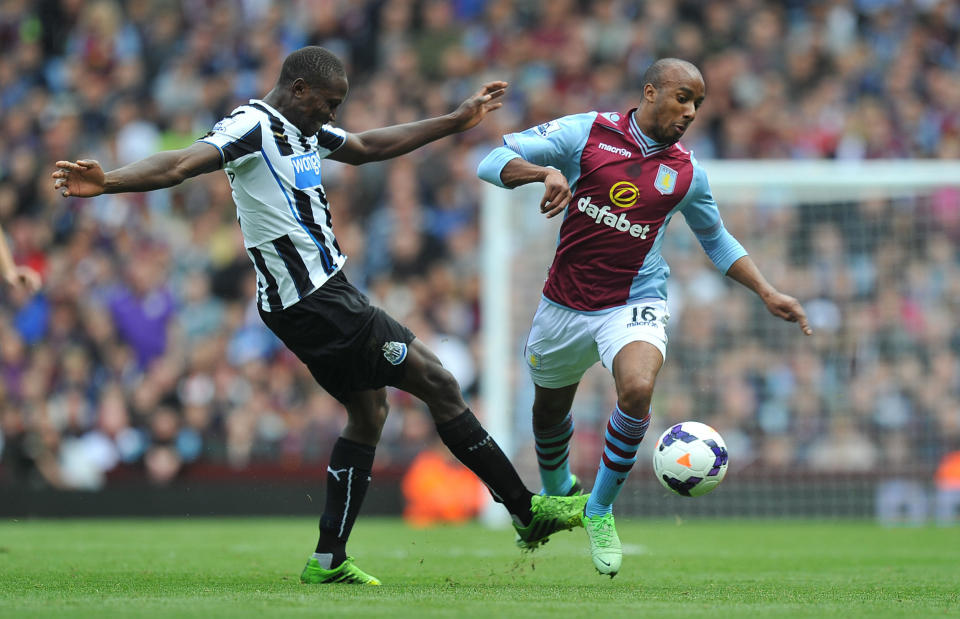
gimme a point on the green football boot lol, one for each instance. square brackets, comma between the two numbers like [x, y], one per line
[345, 573]
[605, 549]
[550, 514]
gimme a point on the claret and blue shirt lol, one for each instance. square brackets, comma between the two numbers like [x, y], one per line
[626, 188]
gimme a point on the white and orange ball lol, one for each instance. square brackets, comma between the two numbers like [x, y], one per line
[690, 458]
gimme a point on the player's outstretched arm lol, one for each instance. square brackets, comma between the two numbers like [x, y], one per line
[745, 271]
[388, 142]
[86, 179]
[556, 188]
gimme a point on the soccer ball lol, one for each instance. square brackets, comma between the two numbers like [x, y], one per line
[690, 458]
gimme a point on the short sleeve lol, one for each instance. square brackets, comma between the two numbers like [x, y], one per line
[329, 139]
[236, 136]
[558, 144]
[553, 143]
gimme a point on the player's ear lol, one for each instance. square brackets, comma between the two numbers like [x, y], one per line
[649, 92]
[299, 86]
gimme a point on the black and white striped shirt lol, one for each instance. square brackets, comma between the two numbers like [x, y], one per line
[274, 171]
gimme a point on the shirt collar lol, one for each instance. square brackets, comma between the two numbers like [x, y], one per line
[648, 145]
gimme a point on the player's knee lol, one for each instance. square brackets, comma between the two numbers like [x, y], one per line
[443, 383]
[443, 396]
[366, 424]
[427, 379]
[548, 414]
[634, 397]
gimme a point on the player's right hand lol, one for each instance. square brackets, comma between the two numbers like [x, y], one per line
[82, 179]
[556, 194]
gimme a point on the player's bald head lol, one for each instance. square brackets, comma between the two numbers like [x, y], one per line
[669, 70]
[313, 64]
[673, 90]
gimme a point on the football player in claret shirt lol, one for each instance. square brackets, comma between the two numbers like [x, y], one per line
[618, 179]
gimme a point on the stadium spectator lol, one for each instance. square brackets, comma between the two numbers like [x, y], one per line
[18, 277]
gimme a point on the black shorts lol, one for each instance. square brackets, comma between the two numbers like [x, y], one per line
[348, 344]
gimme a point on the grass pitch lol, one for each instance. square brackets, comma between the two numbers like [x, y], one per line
[250, 567]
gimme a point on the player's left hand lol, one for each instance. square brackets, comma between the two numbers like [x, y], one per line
[83, 178]
[472, 111]
[786, 307]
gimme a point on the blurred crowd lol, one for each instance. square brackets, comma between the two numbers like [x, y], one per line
[143, 353]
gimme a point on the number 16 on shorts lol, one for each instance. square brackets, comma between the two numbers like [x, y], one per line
[648, 316]
[644, 321]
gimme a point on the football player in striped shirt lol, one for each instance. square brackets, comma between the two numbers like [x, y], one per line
[271, 150]
[618, 178]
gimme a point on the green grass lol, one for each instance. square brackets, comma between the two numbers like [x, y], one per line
[249, 568]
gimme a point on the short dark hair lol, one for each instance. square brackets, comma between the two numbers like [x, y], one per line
[657, 72]
[313, 64]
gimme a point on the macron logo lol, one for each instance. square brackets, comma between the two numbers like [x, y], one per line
[623, 152]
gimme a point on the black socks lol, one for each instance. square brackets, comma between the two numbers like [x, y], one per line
[470, 443]
[348, 478]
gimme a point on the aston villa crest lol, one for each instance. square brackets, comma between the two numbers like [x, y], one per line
[666, 180]
[395, 352]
